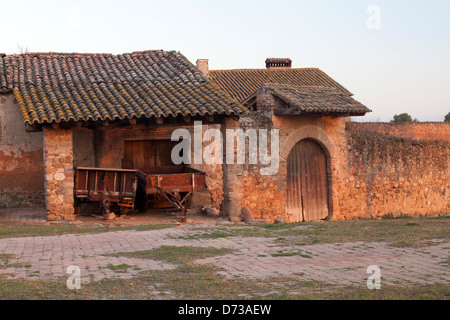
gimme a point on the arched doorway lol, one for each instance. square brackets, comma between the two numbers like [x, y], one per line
[307, 182]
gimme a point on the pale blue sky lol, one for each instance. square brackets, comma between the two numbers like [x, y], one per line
[402, 67]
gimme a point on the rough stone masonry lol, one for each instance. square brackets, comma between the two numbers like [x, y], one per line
[59, 174]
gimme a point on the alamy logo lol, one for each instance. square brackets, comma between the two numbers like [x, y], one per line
[74, 280]
[374, 280]
[257, 153]
[74, 14]
[374, 19]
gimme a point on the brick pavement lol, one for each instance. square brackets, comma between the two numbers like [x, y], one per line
[48, 257]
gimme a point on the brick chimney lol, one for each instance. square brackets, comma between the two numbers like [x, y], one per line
[202, 65]
[278, 63]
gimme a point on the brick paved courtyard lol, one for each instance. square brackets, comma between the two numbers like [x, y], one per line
[48, 257]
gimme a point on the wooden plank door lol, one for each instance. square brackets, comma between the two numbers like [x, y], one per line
[147, 153]
[138, 154]
[294, 206]
[163, 152]
[307, 190]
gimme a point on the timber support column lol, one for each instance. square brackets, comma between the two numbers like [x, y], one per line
[59, 179]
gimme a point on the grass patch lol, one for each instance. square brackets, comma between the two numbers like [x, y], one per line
[198, 282]
[120, 268]
[106, 289]
[174, 254]
[13, 230]
[411, 224]
[290, 288]
[4, 260]
[290, 254]
[266, 230]
[402, 232]
[191, 281]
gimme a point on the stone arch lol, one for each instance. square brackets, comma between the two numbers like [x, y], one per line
[308, 132]
[320, 136]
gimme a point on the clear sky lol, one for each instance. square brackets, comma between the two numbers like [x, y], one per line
[394, 55]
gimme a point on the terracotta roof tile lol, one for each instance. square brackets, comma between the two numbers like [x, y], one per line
[5, 85]
[55, 87]
[241, 83]
[315, 100]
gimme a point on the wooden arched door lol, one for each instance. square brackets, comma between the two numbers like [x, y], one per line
[307, 183]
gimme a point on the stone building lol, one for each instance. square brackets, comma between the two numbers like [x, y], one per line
[62, 111]
[309, 110]
[329, 166]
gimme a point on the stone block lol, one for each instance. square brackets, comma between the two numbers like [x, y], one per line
[59, 176]
[281, 219]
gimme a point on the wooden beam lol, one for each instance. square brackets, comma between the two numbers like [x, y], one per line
[132, 121]
[287, 111]
[160, 120]
[32, 127]
[209, 117]
[172, 120]
[187, 119]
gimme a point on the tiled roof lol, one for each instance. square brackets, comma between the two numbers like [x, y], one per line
[241, 83]
[55, 87]
[4, 87]
[315, 100]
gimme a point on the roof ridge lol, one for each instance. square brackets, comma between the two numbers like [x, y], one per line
[265, 69]
[57, 54]
[275, 85]
[82, 53]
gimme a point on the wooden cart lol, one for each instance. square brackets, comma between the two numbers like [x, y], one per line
[107, 187]
[174, 183]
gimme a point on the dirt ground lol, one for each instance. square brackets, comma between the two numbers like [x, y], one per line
[154, 216]
[160, 216]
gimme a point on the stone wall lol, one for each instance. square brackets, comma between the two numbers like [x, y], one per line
[414, 130]
[21, 159]
[59, 174]
[393, 176]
